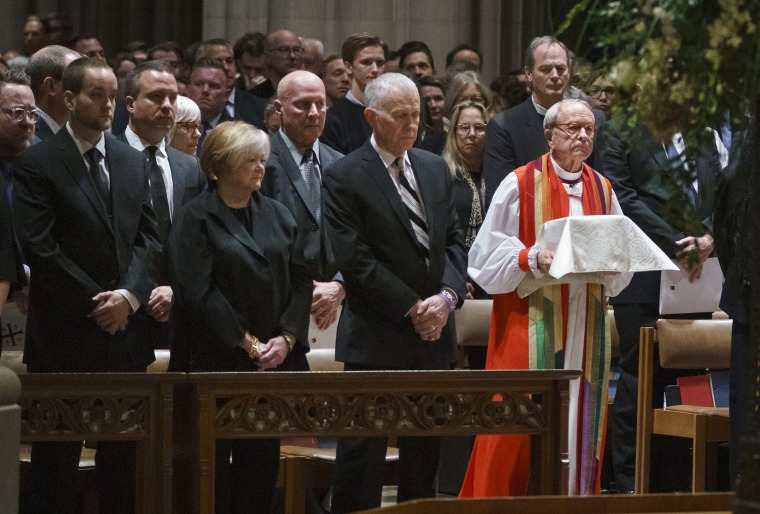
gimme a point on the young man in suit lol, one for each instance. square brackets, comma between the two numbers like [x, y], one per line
[345, 126]
[393, 226]
[516, 136]
[175, 177]
[88, 233]
[294, 177]
[633, 160]
[45, 69]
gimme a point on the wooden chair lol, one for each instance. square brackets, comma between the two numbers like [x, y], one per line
[304, 464]
[683, 344]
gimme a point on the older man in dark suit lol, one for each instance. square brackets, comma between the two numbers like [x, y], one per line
[294, 177]
[175, 177]
[88, 233]
[516, 136]
[45, 69]
[394, 229]
[633, 160]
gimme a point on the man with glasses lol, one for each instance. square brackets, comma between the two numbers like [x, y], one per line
[524, 331]
[45, 69]
[282, 54]
[175, 177]
[16, 134]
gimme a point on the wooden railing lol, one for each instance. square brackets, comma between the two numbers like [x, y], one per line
[210, 406]
[108, 407]
[401, 403]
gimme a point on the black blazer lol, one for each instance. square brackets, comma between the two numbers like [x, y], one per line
[227, 282]
[248, 108]
[631, 159]
[382, 264]
[346, 129]
[42, 130]
[731, 230]
[284, 183]
[75, 250]
[514, 138]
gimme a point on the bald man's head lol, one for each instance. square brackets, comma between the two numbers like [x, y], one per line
[302, 107]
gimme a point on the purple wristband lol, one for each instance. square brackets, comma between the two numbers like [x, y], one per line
[449, 304]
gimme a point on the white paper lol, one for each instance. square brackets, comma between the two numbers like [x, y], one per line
[588, 247]
[679, 296]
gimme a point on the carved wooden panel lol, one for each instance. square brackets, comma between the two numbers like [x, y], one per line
[497, 411]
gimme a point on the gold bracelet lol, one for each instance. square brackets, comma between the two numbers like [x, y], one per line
[289, 341]
[253, 353]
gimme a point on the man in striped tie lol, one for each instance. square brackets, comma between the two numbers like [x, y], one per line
[394, 229]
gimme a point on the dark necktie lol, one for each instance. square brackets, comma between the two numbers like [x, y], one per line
[413, 208]
[158, 194]
[98, 176]
[311, 176]
[205, 127]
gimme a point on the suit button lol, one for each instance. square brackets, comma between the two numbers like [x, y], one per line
[314, 227]
[113, 283]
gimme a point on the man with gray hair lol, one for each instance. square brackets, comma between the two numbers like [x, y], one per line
[313, 54]
[516, 136]
[45, 69]
[394, 230]
[524, 331]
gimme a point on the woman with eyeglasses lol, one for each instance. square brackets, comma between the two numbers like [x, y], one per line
[464, 151]
[187, 128]
[601, 93]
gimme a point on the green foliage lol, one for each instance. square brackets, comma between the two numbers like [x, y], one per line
[681, 65]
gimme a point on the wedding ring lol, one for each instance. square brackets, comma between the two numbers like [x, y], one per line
[433, 327]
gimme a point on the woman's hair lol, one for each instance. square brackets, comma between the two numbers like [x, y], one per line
[458, 82]
[228, 145]
[451, 153]
[187, 110]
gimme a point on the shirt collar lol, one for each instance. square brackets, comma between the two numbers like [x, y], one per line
[139, 143]
[567, 175]
[351, 98]
[540, 110]
[297, 152]
[84, 146]
[385, 156]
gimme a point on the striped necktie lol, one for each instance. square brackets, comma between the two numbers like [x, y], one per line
[309, 165]
[413, 208]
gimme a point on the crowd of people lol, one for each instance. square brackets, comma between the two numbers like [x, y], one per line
[213, 199]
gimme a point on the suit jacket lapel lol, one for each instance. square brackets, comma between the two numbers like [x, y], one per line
[281, 150]
[379, 173]
[178, 182]
[74, 163]
[219, 210]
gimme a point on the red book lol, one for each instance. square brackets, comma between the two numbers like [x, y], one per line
[696, 391]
